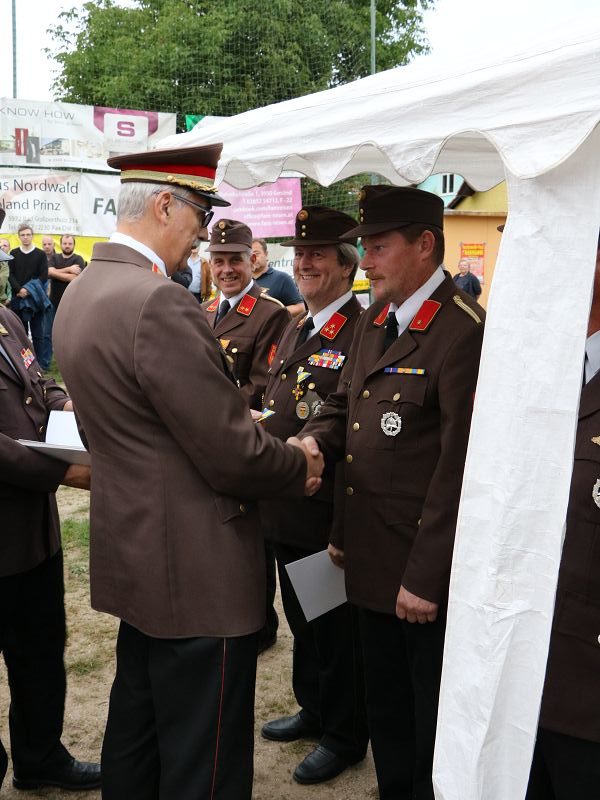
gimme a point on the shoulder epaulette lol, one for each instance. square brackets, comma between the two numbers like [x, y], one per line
[467, 309]
[424, 316]
[266, 296]
[246, 305]
[382, 316]
[333, 326]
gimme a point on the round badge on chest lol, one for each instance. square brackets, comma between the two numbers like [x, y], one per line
[391, 423]
[596, 493]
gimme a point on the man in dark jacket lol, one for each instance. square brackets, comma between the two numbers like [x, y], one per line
[32, 614]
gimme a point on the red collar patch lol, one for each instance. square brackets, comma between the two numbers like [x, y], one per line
[214, 305]
[246, 305]
[333, 326]
[424, 316]
[382, 316]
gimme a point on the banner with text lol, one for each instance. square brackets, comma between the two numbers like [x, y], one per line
[86, 203]
[68, 135]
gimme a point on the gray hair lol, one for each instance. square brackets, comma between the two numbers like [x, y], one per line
[134, 197]
[348, 256]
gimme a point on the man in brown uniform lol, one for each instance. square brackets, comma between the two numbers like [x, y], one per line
[32, 611]
[327, 671]
[566, 760]
[247, 321]
[176, 550]
[400, 420]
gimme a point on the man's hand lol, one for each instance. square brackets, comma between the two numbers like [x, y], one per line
[78, 476]
[314, 462]
[336, 555]
[255, 414]
[22, 293]
[68, 406]
[413, 608]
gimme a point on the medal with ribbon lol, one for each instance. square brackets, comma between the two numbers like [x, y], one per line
[301, 376]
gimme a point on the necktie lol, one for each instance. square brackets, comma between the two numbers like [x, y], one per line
[391, 330]
[223, 309]
[305, 331]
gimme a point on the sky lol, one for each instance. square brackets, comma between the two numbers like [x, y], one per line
[456, 29]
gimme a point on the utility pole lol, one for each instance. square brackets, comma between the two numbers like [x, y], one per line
[14, 46]
[373, 59]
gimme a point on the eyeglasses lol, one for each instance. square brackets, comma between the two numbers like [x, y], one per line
[207, 214]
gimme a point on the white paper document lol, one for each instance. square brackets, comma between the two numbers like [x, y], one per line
[318, 583]
[62, 439]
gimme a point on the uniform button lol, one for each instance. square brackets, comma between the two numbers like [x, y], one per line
[284, 377]
[349, 490]
[349, 458]
[242, 508]
[234, 349]
[28, 400]
[599, 640]
[311, 385]
[281, 361]
[396, 397]
[356, 426]
[366, 393]
[271, 403]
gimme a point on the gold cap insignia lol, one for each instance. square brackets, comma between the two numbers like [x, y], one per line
[362, 194]
[596, 439]
[302, 215]
[221, 225]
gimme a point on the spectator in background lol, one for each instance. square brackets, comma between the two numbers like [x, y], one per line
[28, 276]
[201, 284]
[466, 281]
[5, 257]
[48, 246]
[279, 284]
[63, 268]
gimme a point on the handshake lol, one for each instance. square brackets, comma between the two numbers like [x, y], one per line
[314, 462]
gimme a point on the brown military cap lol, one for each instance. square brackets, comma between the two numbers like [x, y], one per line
[316, 225]
[230, 236]
[194, 168]
[388, 208]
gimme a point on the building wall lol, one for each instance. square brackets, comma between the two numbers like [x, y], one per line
[473, 229]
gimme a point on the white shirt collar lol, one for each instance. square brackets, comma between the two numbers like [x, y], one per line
[408, 309]
[592, 356]
[325, 313]
[122, 238]
[233, 301]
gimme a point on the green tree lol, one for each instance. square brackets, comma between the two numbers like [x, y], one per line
[223, 57]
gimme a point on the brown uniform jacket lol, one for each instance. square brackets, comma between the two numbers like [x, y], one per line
[249, 334]
[571, 699]
[29, 528]
[305, 523]
[402, 488]
[176, 457]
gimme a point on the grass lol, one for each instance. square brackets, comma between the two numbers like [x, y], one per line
[52, 372]
[75, 533]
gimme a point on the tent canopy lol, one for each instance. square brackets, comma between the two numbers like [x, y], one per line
[526, 113]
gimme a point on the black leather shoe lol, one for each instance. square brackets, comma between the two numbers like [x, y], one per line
[74, 775]
[319, 766]
[289, 729]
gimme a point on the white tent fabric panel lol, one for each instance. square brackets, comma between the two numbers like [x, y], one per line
[516, 483]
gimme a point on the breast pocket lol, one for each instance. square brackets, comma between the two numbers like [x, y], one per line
[240, 350]
[390, 412]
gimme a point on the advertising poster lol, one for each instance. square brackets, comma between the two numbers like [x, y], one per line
[474, 253]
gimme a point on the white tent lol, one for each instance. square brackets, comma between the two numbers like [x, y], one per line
[531, 120]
